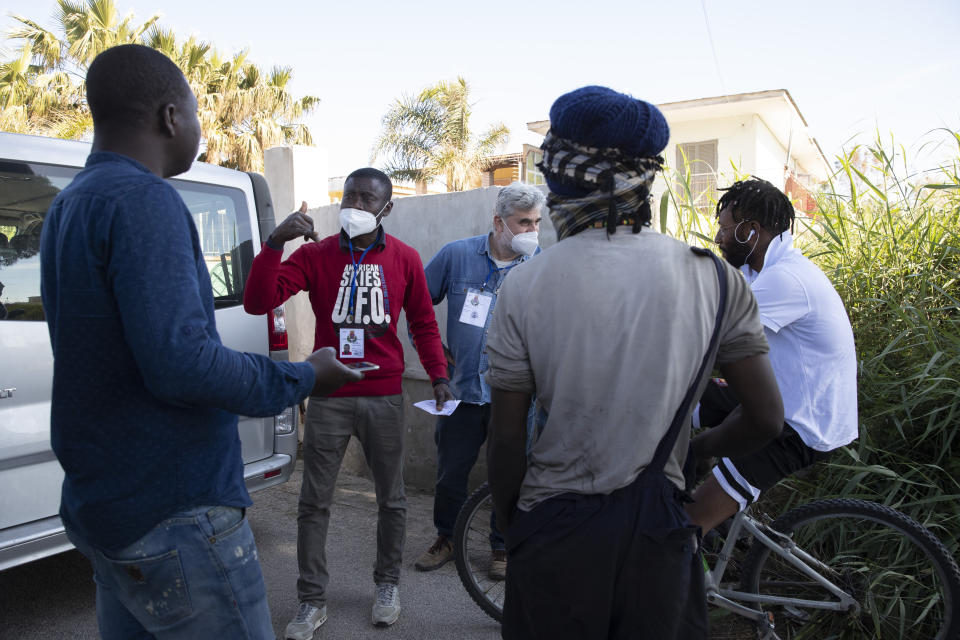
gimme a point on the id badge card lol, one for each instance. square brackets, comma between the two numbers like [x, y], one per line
[475, 307]
[351, 343]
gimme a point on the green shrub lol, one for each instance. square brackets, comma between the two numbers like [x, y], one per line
[891, 246]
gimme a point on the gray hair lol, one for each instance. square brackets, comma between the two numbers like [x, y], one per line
[519, 197]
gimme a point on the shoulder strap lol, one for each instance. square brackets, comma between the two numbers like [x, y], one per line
[670, 439]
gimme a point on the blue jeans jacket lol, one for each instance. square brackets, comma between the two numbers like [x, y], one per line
[458, 267]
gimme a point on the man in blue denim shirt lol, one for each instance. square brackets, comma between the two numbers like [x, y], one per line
[468, 273]
[145, 397]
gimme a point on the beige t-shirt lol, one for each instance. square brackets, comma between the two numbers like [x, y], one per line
[610, 333]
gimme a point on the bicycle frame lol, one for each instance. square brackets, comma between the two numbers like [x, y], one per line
[784, 547]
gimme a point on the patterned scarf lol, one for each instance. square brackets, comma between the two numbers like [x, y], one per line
[619, 186]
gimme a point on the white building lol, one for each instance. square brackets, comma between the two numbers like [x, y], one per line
[725, 137]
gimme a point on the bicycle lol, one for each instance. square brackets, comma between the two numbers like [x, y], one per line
[800, 577]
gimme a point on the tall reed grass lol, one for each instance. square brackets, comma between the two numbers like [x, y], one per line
[891, 245]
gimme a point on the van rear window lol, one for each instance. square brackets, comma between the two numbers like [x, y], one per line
[26, 191]
[223, 223]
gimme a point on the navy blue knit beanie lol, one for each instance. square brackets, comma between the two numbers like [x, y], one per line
[601, 117]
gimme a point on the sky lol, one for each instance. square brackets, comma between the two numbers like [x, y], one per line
[852, 67]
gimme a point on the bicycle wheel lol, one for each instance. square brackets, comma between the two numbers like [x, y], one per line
[905, 581]
[471, 551]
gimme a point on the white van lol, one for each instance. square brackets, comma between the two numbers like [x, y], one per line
[231, 209]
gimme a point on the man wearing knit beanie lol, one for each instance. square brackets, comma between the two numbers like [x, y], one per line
[598, 542]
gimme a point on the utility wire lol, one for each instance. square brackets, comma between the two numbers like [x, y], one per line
[713, 48]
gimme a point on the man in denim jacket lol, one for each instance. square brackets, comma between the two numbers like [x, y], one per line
[469, 273]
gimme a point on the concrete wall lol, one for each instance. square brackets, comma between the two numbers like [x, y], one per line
[426, 223]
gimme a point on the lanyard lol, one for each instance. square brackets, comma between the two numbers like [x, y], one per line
[493, 269]
[353, 278]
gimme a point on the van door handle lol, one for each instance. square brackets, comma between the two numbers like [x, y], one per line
[7, 393]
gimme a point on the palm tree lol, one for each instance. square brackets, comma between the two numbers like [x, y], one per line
[242, 109]
[17, 90]
[41, 88]
[36, 94]
[92, 26]
[428, 136]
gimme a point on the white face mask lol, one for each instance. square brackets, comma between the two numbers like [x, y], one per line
[356, 222]
[525, 243]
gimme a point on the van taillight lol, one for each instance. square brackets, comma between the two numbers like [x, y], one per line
[277, 329]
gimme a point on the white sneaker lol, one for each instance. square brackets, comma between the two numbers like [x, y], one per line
[308, 619]
[386, 605]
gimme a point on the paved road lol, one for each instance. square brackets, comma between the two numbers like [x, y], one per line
[53, 599]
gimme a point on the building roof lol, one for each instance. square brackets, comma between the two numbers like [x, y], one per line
[502, 160]
[539, 126]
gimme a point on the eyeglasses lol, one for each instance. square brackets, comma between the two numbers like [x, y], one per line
[721, 229]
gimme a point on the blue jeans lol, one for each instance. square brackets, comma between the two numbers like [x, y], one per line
[194, 575]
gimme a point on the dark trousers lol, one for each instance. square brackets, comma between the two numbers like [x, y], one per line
[377, 422]
[778, 459]
[459, 438]
[621, 566]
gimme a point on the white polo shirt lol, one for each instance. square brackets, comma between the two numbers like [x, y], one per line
[811, 345]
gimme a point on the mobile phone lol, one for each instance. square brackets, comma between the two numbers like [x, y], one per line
[362, 366]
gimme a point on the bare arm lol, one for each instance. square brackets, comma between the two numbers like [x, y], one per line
[507, 450]
[755, 422]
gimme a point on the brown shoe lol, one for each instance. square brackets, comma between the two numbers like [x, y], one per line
[439, 553]
[498, 565]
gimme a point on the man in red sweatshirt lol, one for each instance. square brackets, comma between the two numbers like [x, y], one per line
[358, 282]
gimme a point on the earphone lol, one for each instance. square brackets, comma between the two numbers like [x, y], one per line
[753, 232]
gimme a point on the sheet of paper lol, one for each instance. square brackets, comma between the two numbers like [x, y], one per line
[430, 406]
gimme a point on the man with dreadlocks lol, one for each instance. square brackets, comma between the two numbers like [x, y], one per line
[599, 545]
[811, 350]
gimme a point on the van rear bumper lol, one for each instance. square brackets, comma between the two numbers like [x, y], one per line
[268, 472]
